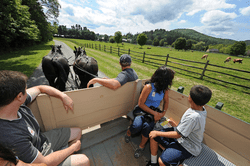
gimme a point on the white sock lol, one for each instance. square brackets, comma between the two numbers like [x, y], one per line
[153, 159]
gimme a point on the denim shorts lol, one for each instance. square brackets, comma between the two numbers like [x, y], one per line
[174, 153]
[141, 125]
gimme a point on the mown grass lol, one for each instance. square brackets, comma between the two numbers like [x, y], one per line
[25, 60]
[235, 99]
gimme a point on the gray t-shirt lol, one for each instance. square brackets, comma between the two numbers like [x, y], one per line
[23, 135]
[127, 75]
[191, 128]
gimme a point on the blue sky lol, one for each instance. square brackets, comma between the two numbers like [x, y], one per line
[229, 19]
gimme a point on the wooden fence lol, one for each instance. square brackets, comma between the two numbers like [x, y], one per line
[199, 70]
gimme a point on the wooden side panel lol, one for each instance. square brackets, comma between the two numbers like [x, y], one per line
[91, 106]
[228, 136]
[35, 110]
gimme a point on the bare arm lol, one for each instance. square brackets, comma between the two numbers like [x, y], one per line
[35, 91]
[168, 134]
[142, 99]
[20, 163]
[57, 157]
[109, 83]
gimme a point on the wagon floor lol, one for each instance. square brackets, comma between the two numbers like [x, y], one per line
[106, 145]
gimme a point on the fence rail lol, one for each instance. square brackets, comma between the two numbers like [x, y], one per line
[199, 69]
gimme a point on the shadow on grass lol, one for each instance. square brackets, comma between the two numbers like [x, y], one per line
[24, 51]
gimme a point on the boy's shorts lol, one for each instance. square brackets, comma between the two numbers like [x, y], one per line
[59, 139]
[174, 153]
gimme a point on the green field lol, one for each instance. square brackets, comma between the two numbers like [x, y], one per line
[235, 99]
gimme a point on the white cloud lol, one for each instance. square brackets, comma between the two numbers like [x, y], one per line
[208, 5]
[216, 17]
[245, 11]
[182, 21]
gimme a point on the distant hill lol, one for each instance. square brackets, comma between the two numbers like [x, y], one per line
[171, 36]
[201, 37]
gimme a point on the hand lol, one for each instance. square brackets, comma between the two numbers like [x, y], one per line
[67, 103]
[93, 81]
[153, 134]
[76, 145]
[157, 116]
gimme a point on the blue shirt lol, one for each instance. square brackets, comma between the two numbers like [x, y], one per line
[154, 98]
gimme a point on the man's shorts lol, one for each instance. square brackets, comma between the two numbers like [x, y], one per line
[59, 139]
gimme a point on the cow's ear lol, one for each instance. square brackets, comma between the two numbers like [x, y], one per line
[75, 47]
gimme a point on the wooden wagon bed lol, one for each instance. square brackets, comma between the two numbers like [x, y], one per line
[226, 139]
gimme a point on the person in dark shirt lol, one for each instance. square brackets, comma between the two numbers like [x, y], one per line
[126, 75]
[21, 132]
[8, 158]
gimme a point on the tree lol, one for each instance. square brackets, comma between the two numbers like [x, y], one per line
[17, 29]
[161, 43]
[106, 38]
[118, 37]
[238, 48]
[155, 42]
[180, 43]
[51, 8]
[142, 39]
[111, 39]
[199, 46]
[189, 44]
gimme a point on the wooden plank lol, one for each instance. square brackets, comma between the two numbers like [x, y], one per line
[100, 155]
[35, 110]
[116, 152]
[46, 111]
[104, 133]
[225, 151]
[94, 118]
[129, 151]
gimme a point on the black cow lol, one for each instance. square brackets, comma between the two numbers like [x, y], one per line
[56, 68]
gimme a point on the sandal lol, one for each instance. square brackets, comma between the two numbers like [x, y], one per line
[138, 152]
[127, 138]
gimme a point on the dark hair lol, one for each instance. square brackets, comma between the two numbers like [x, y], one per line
[200, 94]
[162, 78]
[7, 154]
[11, 84]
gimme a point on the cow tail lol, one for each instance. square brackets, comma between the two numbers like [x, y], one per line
[62, 73]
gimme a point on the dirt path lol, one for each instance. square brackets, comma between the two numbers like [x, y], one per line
[38, 78]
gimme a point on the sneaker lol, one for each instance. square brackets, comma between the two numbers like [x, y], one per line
[138, 152]
[152, 164]
[127, 138]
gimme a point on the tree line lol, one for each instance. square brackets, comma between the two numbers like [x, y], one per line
[27, 22]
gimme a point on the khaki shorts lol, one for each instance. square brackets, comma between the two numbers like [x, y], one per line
[59, 139]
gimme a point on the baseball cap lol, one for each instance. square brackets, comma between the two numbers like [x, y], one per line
[125, 59]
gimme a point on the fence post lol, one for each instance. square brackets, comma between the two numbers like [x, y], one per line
[118, 51]
[166, 60]
[100, 47]
[110, 49]
[143, 57]
[104, 48]
[129, 51]
[203, 72]
[92, 45]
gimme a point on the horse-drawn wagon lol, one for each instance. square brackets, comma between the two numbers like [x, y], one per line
[101, 113]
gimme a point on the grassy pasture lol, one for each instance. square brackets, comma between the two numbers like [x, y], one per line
[235, 99]
[25, 60]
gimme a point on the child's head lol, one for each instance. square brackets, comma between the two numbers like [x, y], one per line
[162, 78]
[200, 94]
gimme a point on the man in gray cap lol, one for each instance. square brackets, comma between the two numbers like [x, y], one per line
[126, 75]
